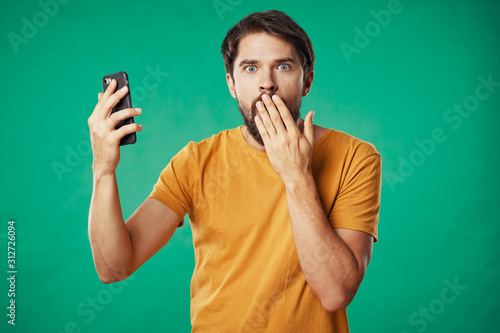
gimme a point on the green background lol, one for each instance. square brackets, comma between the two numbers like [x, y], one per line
[439, 220]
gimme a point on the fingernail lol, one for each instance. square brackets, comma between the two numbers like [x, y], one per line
[265, 97]
[275, 98]
[124, 88]
[138, 110]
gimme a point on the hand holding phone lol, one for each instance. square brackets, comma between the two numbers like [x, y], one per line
[125, 103]
[104, 136]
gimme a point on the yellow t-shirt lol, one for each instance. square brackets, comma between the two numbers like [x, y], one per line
[247, 277]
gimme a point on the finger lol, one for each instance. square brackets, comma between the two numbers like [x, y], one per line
[113, 100]
[262, 130]
[110, 89]
[100, 110]
[127, 129]
[309, 128]
[266, 119]
[97, 109]
[285, 115]
[116, 117]
[274, 114]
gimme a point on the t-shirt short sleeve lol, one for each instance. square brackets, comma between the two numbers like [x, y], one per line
[173, 187]
[358, 201]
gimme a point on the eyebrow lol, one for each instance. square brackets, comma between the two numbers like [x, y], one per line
[253, 62]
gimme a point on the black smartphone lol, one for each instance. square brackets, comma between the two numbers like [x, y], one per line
[125, 103]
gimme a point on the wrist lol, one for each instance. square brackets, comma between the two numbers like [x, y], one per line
[300, 182]
[102, 172]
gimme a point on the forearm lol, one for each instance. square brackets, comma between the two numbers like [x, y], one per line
[328, 265]
[109, 238]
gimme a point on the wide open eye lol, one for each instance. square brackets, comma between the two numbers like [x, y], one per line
[284, 67]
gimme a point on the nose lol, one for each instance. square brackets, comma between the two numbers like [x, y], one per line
[267, 82]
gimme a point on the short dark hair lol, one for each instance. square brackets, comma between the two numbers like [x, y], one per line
[273, 22]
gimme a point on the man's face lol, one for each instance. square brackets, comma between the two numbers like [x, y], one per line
[266, 64]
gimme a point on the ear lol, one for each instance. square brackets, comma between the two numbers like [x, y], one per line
[230, 85]
[308, 83]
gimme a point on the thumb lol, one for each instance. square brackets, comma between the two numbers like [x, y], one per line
[309, 127]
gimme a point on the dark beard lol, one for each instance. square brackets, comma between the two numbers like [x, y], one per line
[250, 123]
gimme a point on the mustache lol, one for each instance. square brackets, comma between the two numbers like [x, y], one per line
[250, 112]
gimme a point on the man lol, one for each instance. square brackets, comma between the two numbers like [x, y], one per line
[283, 212]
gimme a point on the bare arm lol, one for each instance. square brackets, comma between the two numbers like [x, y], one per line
[109, 238]
[333, 260]
[119, 248]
